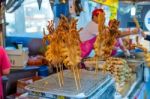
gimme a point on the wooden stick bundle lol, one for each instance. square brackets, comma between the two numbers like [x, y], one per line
[78, 76]
[61, 74]
[96, 66]
[67, 40]
[58, 75]
[75, 77]
[136, 22]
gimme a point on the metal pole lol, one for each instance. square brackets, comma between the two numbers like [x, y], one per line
[3, 23]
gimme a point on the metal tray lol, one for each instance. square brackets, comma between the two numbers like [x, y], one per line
[89, 84]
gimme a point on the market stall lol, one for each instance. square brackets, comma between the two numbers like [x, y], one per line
[126, 73]
[133, 83]
[69, 61]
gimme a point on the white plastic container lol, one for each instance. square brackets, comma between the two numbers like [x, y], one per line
[18, 57]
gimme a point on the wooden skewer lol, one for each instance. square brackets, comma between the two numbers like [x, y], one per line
[58, 75]
[138, 26]
[75, 78]
[96, 66]
[59, 70]
[62, 74]
[137, 40]
[136, 22]
[60, 79]
[78, 75]
[79, 70]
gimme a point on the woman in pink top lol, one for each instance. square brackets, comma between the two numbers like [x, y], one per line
[119, 45]
[89, 33]
[4, 67]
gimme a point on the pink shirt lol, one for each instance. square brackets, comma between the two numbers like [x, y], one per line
[86, 47]
[117, 45]
[89, 32]
[4, 64]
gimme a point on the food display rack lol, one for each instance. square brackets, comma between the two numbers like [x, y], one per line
[139, 80]
[100, 86]
[130, 87]
[139, 66]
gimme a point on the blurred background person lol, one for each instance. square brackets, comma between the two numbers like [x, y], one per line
[4, 67]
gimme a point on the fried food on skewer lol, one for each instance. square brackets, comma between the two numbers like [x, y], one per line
[106, 40]
[64, 48]
[72, 52]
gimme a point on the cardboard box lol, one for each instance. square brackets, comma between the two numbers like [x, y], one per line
[22, 83]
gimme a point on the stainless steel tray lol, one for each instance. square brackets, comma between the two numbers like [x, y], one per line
[89, 84]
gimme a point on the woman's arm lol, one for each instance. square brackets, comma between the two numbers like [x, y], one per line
[6, 71]
[5, 62]
[123, 48]
[128, 32]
